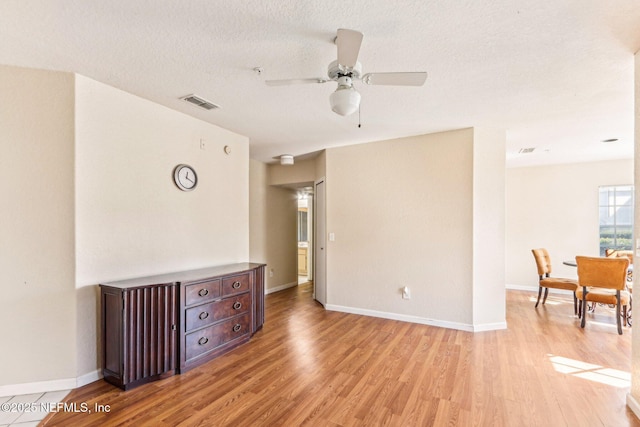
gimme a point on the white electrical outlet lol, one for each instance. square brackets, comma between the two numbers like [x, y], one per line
[202, 144]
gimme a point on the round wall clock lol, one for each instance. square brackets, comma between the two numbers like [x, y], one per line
[185, 177]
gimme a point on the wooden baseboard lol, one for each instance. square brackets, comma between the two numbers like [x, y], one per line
[48, 386]
[38, 387]
[421, 320]
[633, 404]
[268, 291]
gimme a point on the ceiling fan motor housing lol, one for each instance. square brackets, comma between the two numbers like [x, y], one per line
[336, 70]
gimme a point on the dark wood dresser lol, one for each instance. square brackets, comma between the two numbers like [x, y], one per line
[156, 326]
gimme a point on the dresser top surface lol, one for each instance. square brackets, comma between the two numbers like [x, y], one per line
[184, 276]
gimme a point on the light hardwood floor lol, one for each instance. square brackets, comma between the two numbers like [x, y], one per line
[313, 367]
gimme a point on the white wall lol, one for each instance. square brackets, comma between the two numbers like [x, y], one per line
[633, 398]
[37, 306]
[402, 212]
[488, 229]
[555, 207]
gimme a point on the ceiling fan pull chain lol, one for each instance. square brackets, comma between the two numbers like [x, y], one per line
[359, 119]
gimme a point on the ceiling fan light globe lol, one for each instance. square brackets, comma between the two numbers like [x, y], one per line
[345, 101]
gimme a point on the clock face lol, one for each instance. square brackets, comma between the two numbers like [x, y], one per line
[185, 177]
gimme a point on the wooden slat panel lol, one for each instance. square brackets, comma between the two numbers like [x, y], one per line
[112, 332]
[150, 316]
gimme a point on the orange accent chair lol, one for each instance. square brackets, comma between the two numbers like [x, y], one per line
[603, 280]
[543, 262]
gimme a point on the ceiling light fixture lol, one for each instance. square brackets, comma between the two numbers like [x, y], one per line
[286, 159]
[345, 100]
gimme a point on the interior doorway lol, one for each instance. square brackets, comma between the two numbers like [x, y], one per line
[305, 235]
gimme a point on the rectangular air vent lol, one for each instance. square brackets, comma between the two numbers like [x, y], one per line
[200, 102]
[526, 150]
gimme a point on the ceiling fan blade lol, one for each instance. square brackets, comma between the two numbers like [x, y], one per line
[348, 42]
[296, 81]
[395, 79]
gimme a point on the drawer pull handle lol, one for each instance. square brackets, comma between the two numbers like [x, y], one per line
[203, 292]
[237, 327]
[237, 305]
[203, 341]
[236, 285]
[203, 315]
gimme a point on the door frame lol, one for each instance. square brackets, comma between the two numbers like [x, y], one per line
[320, 242]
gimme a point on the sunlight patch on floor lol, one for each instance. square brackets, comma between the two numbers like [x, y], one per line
[551, 301]
[591, 372]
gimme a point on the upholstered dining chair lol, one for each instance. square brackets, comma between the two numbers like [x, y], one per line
[616, 253]
[543, 262]
[603, 280]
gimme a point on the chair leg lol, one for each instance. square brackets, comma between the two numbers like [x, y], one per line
[619, 320]
[624, 315]
[546, 292]
[575, 304]
[539, 293]
[584, 312]
[579, 309]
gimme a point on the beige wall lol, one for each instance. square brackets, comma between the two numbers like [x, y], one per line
[131, 220]
[258, 243]
[302, 172]
[281, 233]
[402, 212]
[38, 306]
[273, 237]
[555, 207]
[88, 197]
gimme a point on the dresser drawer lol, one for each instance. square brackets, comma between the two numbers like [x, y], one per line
[206, 314]
[235, 284]
[198, 293]
[207, 339]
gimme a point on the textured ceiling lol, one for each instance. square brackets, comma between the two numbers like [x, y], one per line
[555, 75]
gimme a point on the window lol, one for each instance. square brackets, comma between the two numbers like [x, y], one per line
[616, 218]
[302, 225]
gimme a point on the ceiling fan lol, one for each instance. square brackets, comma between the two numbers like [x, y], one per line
[346, 100]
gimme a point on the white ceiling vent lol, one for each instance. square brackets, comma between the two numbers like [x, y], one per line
[526, 150]
[200, 102]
